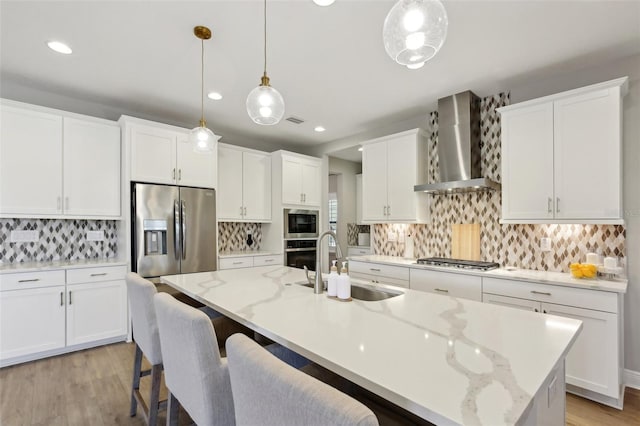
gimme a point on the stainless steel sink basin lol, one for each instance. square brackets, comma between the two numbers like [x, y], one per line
[362, 292]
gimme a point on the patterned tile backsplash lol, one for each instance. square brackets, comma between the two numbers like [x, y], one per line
[232, 236]
[513, 245]
[353, 230]
[58, 239]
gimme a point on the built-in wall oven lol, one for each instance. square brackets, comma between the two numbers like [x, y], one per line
[300, 223]
[300, 253]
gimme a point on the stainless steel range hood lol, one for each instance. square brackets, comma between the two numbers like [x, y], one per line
[459, 147]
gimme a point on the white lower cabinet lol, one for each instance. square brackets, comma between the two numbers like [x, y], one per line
[52, 312]
[593, 365]
[96, 311]
[378, 273]
[238, 262]
[31, 321]
[446, 283]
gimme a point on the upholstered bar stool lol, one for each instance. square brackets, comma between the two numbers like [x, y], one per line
[195, 374]
[145, 331]
[266, 391]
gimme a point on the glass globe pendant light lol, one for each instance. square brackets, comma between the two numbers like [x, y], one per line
[201, 138]
[414, 31]
[265, 104]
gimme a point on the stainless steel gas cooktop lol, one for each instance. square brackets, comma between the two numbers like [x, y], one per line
[458, 263]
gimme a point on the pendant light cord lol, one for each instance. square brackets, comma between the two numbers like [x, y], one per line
[202, 84]
[265, 37]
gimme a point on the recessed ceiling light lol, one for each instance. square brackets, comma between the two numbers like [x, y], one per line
[59, 47]
[324, 2]
[215, 96]
[319, 129]
[360, 149]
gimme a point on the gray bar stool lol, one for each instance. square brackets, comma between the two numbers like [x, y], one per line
[267, 391]
[195, 374]
[145, 331]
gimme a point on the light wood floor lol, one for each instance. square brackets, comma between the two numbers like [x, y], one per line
[91, 387]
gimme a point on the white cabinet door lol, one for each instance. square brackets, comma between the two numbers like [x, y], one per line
[587, 156]
[301, 180]
[592, 362]
[401, 177]
[527, 163]
[31, 321]
[291, 180]
[256, 186]
[91, 168]
[448, 284]
[311, 182]
[30, 162]
[96, 311]
[195, 168]
[229, 205]
[153, 155]
[374, 182]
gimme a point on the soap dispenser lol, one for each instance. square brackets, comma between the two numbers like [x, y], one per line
[344, 283]
[332, 285]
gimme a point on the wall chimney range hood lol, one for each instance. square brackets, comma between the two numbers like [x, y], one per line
[459, 147]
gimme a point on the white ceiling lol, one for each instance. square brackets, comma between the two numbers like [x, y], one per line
[329, 63]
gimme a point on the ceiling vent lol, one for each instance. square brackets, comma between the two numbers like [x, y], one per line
[295, 120]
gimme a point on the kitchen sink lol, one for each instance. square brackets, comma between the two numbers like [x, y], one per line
[364, 292]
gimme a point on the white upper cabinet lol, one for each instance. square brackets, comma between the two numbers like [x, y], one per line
[391, 166]
[56, 164]
[562, 158]
[244, 189]
[163, 154]
[91, 168]
[301, 179]
[30, 162]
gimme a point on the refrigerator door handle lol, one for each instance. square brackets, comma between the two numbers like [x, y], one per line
[176, 229]
[183, 215]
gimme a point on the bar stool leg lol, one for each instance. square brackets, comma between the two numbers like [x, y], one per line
[135, 384]
[173, 408]
[156, 375]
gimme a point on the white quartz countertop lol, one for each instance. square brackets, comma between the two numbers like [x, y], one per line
[448, 360]
[6, 268]
[545, 277]
[243, 253]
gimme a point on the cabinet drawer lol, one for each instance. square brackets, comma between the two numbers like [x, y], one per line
[375, 279]
[101, 273]
[356, 251]
[236, 262]
[454, 285]
[569, 296]
[380, 270]
[275, 259]
[22, 280]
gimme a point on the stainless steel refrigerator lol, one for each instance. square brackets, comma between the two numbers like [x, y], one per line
[174, 230]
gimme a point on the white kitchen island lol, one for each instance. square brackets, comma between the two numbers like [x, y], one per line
[447, 360]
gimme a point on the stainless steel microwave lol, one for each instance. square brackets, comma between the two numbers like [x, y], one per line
[301, 223]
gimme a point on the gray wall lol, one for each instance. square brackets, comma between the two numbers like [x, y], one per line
[345, 172]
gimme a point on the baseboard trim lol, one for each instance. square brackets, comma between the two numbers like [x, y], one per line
[631, 378]
[597, 397]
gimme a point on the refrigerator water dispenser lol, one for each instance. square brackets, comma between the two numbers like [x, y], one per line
[155, 237]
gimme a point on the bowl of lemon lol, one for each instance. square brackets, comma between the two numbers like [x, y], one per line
[583, 270]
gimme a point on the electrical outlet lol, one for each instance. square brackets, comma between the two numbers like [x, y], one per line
[95, 235]
[401, 237]
[392, 236]
[545, 244]
[24, 236]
